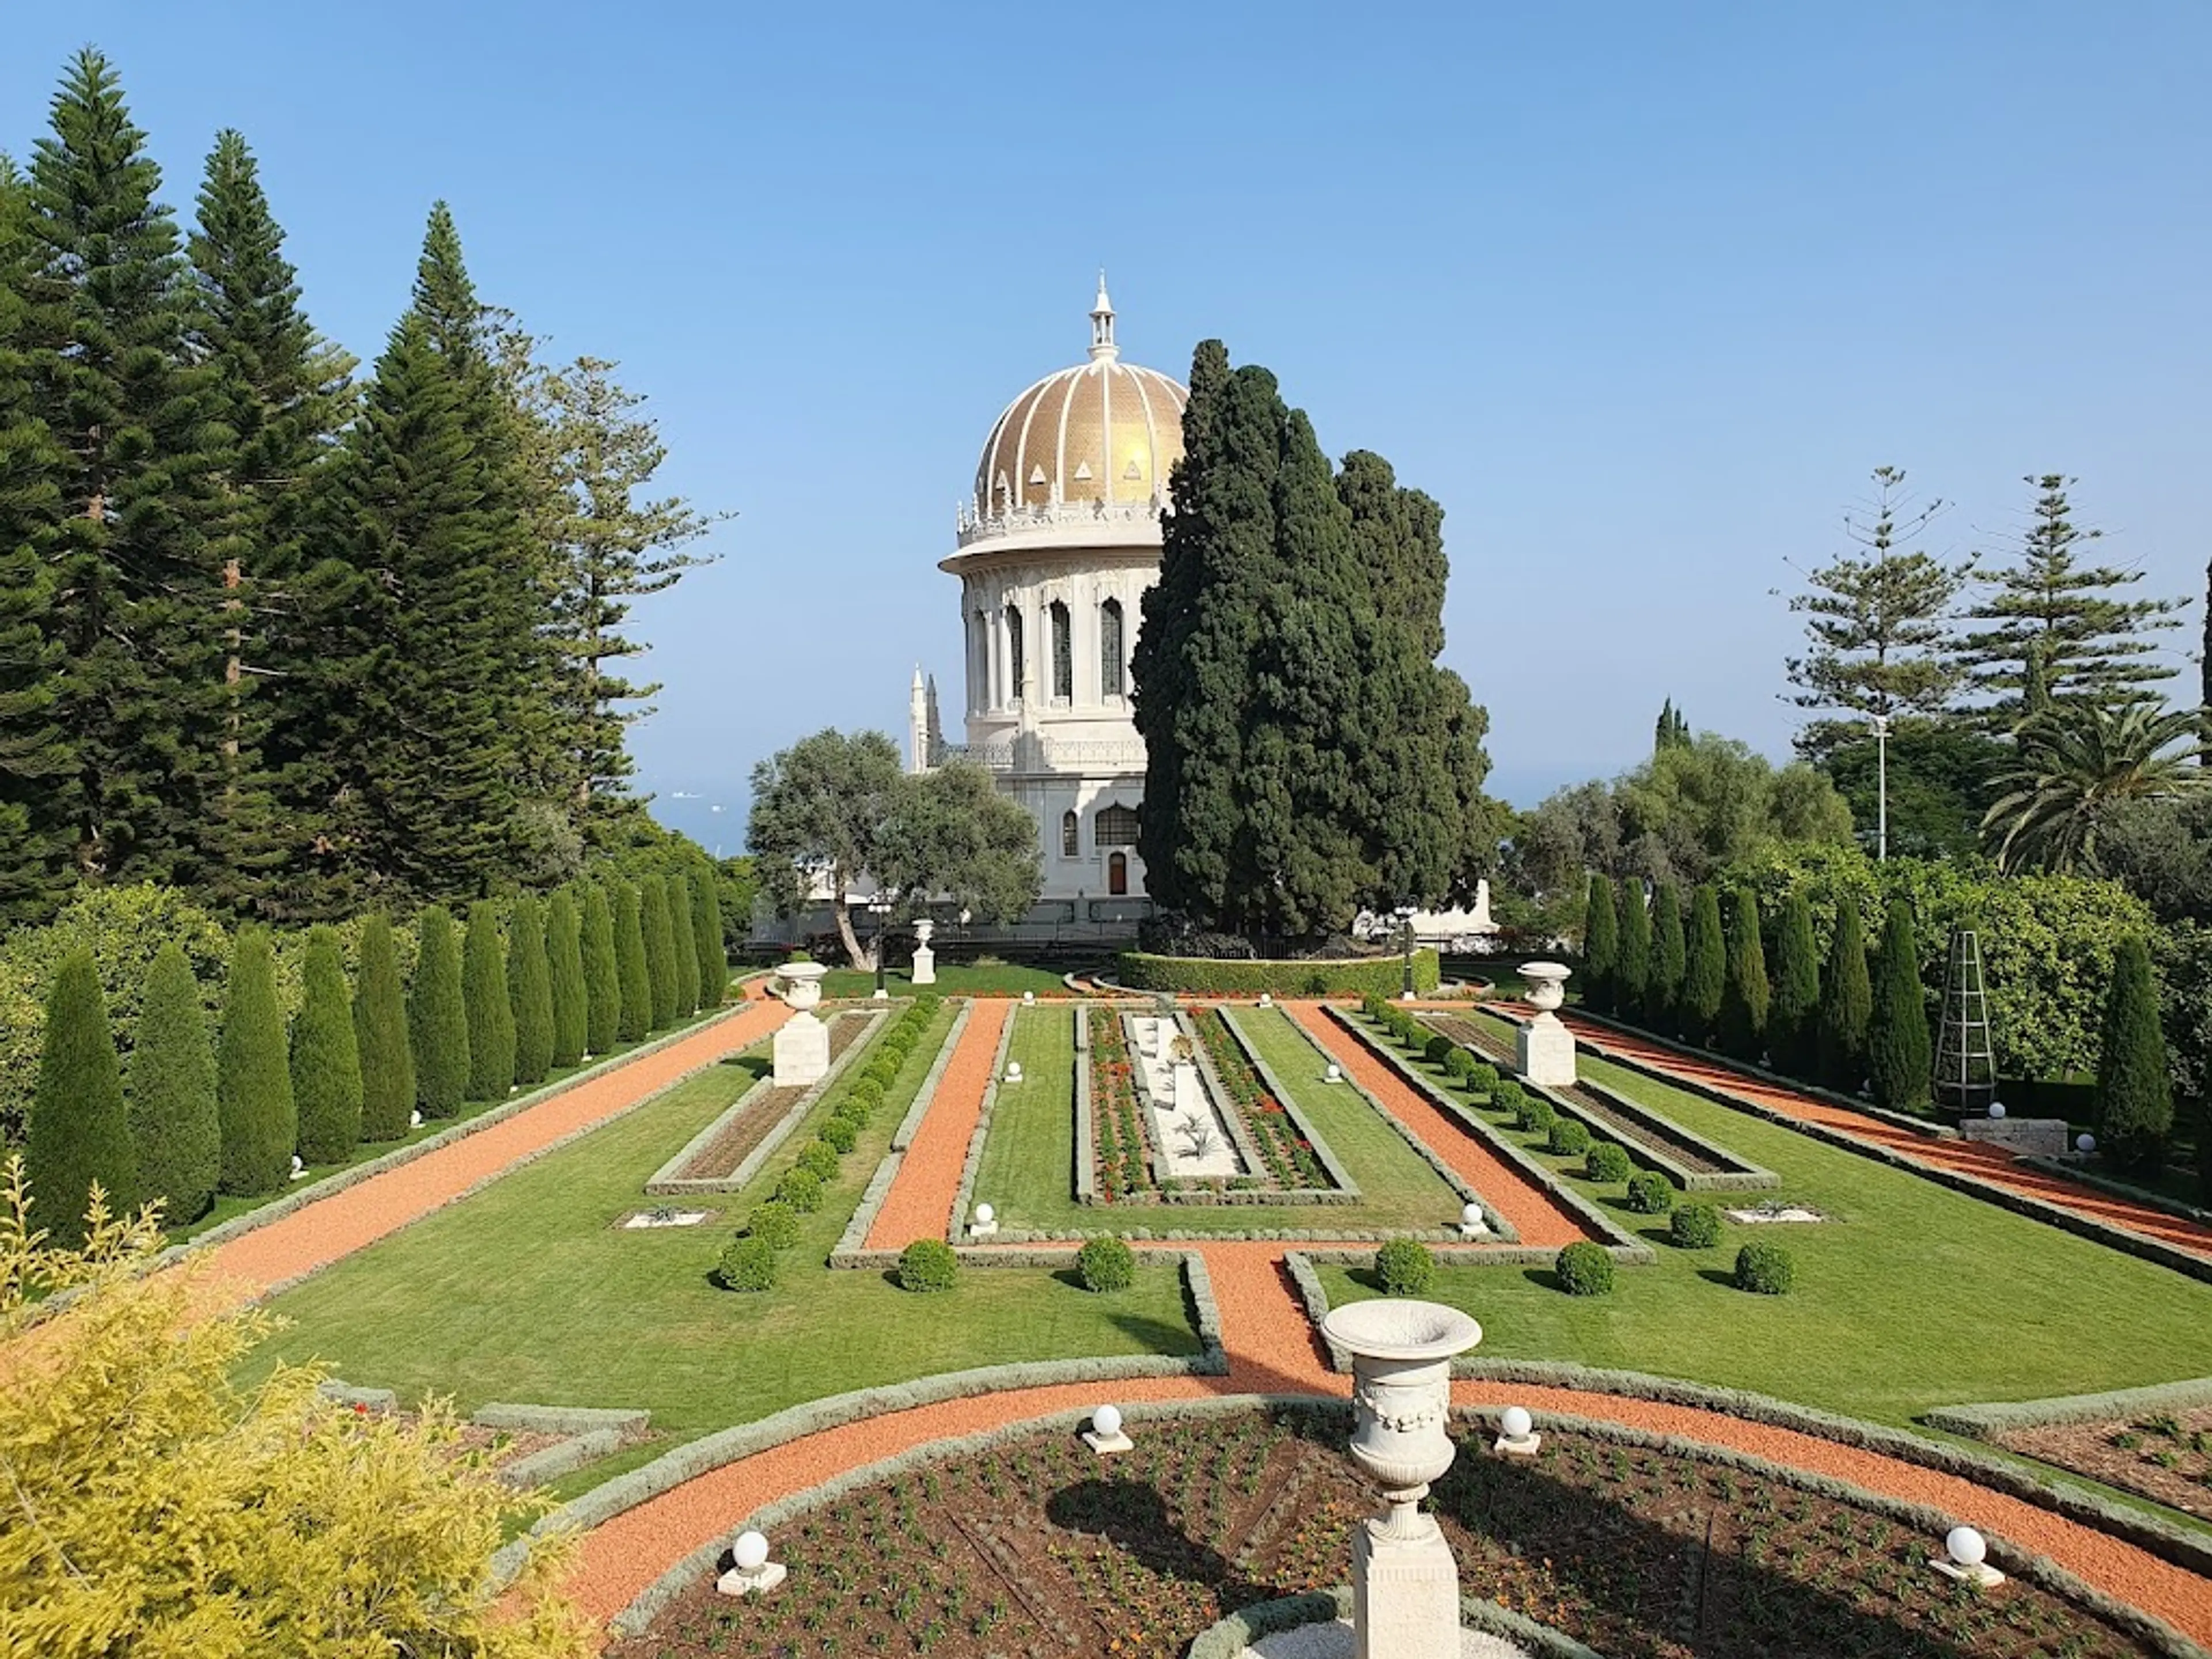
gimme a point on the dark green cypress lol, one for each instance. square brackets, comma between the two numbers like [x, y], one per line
[1846, 1003]
[636, 968]
[326, 1082]
[1793, 1022]
[660, 948]
[707, 937]
[1601, 946]
[437, 1019]
[380, 1029]
[2134, 1092]
[1705, 969]
[254, 1077]
[79, 1134]
[491, 1013]
[1662, 987]
[685, 952]
[1900, 1055]
[602, 960]
[1746, 999]
[175, 1125]
[564, 964]
[1632, 967]
[529, 990]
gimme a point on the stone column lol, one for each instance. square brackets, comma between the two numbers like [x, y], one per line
[1547, 1049]
[925, 959]
[802, 1042]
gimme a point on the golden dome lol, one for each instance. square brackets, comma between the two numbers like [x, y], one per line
[1103, 432]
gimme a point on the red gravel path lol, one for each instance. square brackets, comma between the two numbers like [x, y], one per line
[320, 1233]
[919, 1202]
[1976, 1158]
[1536, 1215]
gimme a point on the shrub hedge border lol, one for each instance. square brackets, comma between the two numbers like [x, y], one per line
[1625, 1246]
[1140, 970]
[853, 1241]
[587, 1433]
[1086, 1172]
[1987, 1420]
[972, 1164]
[1312, 1136]
[1229, 1639]
[2129, 1242]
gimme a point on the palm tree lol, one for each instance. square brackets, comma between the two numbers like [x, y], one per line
[2078, 762]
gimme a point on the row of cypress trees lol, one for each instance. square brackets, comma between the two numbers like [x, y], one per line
[196, 1112]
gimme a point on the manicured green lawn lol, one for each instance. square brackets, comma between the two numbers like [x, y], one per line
[526, 1292]
[1911, 1296]
[1029, 1160]
[998, 979]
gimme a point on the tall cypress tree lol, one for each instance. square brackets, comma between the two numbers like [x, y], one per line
[175, 1124]
[79, 1133]
[1705, 969]
[635, 968]
[685, 952]
[379, 1026]
[603, 978]
[437, 1019]
[253, 1079]
[1601, 946]
[1746, 999]
[1846, 1002]
[326, 1081]
[529, 990]
[706, 939]
[491, 1014]
[1662, 985]
[1633, 964]
[564, 963]
[1793, 1022]
[660, 948]
[1900, 1055]
[2134, 1092]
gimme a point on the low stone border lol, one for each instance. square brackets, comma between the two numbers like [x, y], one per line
[1987, 1421]
[665, 1180]
[277, 1208]
[1624, 1246]
[801, 1110]
[974, 1161]
[853, 1243]
[344, 1394]
[1086, 1171]
[1229, 1639]
[2105, 1184]
[588, 1432]
[1165, 1234]
[1322, 1151]
[1314, 1295]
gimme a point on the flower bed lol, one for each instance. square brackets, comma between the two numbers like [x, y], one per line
[1120, 1156]
[2163, 1456]
[1288, 1154]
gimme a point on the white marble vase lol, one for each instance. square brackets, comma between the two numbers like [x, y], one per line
[925, 959]
[1547, 1049]
[802, 1043]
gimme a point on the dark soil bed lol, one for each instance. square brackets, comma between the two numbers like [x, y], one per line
[2166, 1457]
[721, 1156]
[1039, 1547]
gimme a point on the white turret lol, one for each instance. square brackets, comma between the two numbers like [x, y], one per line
[917, 724]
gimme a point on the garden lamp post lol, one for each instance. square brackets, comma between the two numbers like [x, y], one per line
[1405, 913]
[1881, 788]
[880, 907]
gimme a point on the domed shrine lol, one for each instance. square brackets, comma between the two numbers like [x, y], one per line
[1055, 547]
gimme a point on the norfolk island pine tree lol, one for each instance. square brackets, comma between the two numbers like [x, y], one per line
[79, 1133]
[325, 1055]
[491, 1014]
[636, 972]
[437, 1022]
[529, 990]
[379, 1030]
[564, 967]
[602, 964]
[253, 1075]
[176, 1126]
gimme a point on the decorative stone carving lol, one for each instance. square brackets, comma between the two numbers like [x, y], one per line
[802, 1044]
[925, 959]
[1547, 1049]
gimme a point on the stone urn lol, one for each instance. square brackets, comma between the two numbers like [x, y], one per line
[1547, 1049]
[925, 959]
[1547, 985]
[802, 1043]
[1405, 1582]
[801, 984]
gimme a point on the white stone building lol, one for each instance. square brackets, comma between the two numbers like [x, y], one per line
[1056, 544]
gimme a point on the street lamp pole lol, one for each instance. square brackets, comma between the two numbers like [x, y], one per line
[881, 905]
[1881, 788]
[1404, 912]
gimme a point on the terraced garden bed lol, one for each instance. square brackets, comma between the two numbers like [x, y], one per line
[2165, 1457]
[765, 1106]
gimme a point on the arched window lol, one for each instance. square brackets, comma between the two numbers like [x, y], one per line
[1016, 659]
[1110, 679]
[1115, 826]
[978, 661]
[1117, 874]
[1068, 845]
[1063, 656]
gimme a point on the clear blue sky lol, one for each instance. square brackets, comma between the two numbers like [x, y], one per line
[1640, 292]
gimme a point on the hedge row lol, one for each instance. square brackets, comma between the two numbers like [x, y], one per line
[1329, 976]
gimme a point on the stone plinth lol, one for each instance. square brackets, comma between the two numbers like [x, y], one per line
[1405, 1594]
[2029, 1137]
[1545, 1051]
[802, 1052]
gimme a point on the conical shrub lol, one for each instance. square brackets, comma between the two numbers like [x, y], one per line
[1745, 998]
[1632, 968]
[1846, 1003]
[2134, 1092]
[637, 970]
[1662, 985]
[660, 948]
[564, 969]
[1900, 1057]
[491, 1015]
[1793, 1020]
[686, 955]
[253, 1074]
[1705, 969]
[176, 1128]
[1600, 946]
[530, 990]
[706, 939]
[602, 958]
[380, 1035]
[79, 1133]
[327, 1083]
[437, 1019]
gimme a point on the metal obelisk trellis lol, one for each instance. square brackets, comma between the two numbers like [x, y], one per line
[1965, 1060]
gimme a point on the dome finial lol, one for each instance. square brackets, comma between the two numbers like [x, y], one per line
[1102, 324]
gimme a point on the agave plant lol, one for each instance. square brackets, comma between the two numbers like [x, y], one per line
[2077, 764]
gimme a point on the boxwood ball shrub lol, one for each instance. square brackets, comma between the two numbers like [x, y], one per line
[1460, 1064]
[1437, 1050]
[1507, 1097]
[838, 1134]
[927, 1264]
[1694, 1227]
[1482, 1078]
[1764, 1268]
[1585, 1269]
[775, 1222]
[1534, 1114]
[1406, 1266]
[1569, 1138]
[819, 1161]
[1106, 1264]
[1607, 1163]
[1650, 1193]
[801, 1189]
[867, 1094]
[747, 1263]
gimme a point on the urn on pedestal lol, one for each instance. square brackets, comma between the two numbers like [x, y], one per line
[925, 959]
[1547, 1047]
[802, 1043]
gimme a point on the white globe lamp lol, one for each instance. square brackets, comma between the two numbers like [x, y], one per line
[1966, 1546]
[1517, 1423]
[1107, 1419]
[2084, 1143]
[751, 1552]
[1996, 1109]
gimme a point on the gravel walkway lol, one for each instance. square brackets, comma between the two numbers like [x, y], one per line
[919, 1202]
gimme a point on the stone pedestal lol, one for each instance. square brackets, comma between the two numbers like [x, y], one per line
[756, 1581]
[925, 959]
[1546, 1047]
[802, 1044]
[1405, 1592]
[2028, 1137]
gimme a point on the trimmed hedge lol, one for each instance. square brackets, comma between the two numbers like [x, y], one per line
[1507, 1096]
[1585, 1269]
[801, 1189]
[1406, 1268]
[1764, 1268]
[839, 1134]
[379, 1030]
[490, 1009]
[774, 1222]
[80, 1130]
[1534, 1114]
[1377, 976]
[1569, 1138]
[1694, 1227]
[325, 1055]
[748, 1264]
[175, 1125]
[254, 1077]
[1607, 1164]
[927, 1265]
[819, 1160]
[1650, 1193]
[1106, 1264]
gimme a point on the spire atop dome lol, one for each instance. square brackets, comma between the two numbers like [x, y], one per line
[1102, 325]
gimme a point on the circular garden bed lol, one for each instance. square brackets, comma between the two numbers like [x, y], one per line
[1037, 1547]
